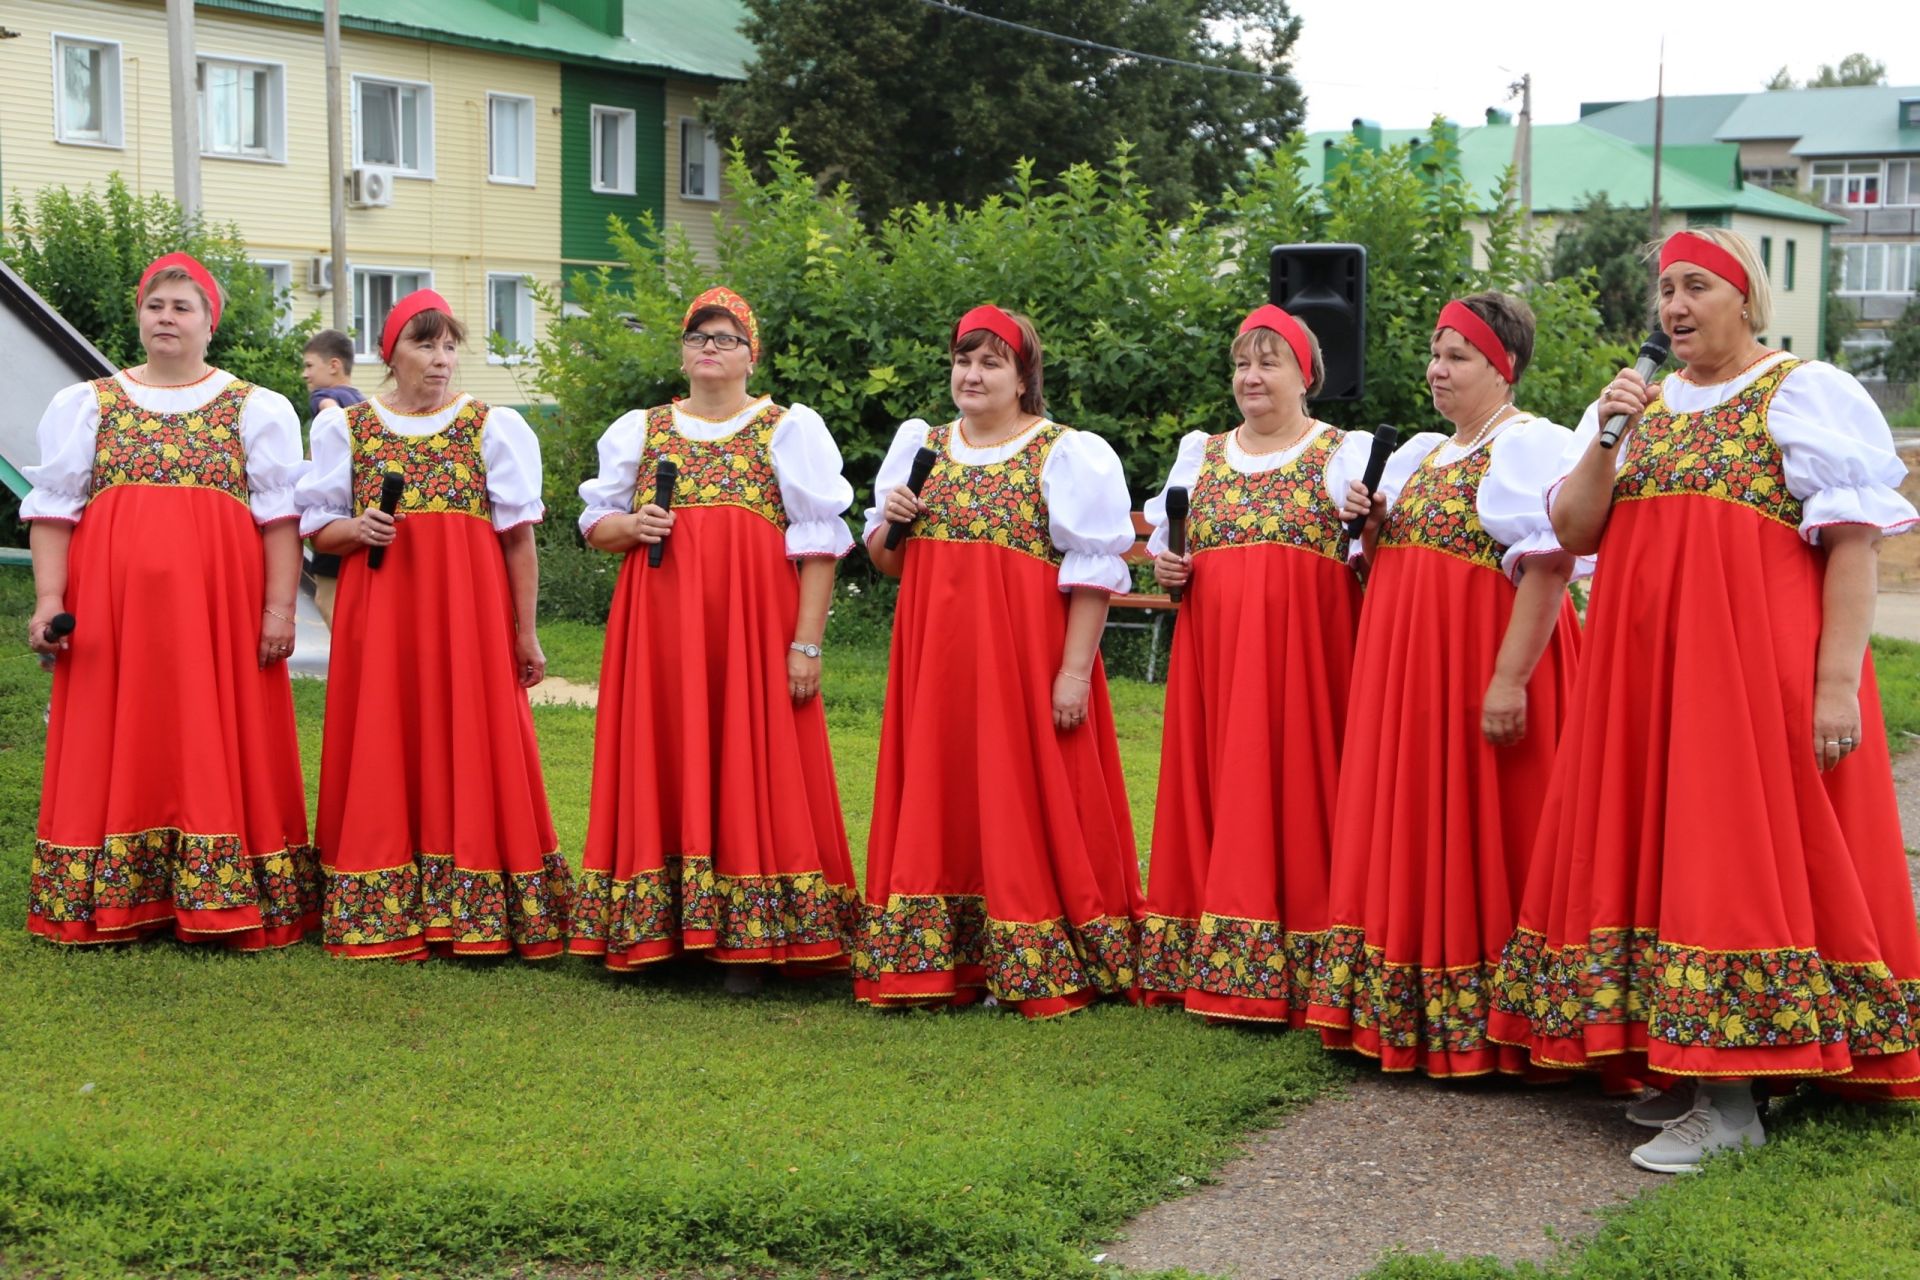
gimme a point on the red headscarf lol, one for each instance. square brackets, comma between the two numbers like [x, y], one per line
[994, 321]
[1463, 320]
[734, 305]
[403, 313]
[1273, 318]
[1684, 246]
[199, 275]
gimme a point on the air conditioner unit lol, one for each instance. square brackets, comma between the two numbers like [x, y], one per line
[371, 189]
[320, 275]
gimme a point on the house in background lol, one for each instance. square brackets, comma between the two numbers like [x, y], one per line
[1853, 151]
[1699, 186]
[487, 141]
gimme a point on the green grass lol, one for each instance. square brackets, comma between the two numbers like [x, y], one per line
[1896, 665]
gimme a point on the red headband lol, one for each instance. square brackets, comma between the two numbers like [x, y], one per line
[994, 321]
[734, 305]
[199, 274]
[1272, 317]
[402, 315]
[1463, 320]
[1684, 246]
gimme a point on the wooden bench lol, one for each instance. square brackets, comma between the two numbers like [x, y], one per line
[1153, 610]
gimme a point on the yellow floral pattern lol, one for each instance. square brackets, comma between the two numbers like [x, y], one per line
[430, 896]
[993, 502]
[744, 913]
[1406, 1005]
[200, 449]
[446, 472]
[1023, 960]
[69, 884]
[733, 471]
[1228, 956]
[1725, 452]
[1439, 510]
[1286, 505]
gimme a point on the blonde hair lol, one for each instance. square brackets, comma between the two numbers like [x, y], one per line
[1265, 341]
[1759, 306]
[167, 275]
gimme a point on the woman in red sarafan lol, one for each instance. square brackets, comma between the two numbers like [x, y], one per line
[162, 510]
[433, 823]
[1256, 691]
[1001, 859]
[1466, 651]
[715, 822]
[1720, 893]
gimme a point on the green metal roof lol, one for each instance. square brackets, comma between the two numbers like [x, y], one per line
[1691, 119]
[699, 40]
[1572, 163]
[1857, 121]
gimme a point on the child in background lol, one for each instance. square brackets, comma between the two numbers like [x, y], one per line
[327, 366]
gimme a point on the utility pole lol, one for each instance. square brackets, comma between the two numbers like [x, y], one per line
[1523, 139]
[336, 179]
[184, 78]
[1659, 135]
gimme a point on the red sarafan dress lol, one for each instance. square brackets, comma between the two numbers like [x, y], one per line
[172, 796]
[715, 822]
[433, 824]
[1434, 825]
[1256, 708]
[1001, 858]
[1705, 902]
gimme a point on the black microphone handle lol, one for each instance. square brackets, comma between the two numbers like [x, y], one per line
[392, 485]
[665, 476]
[1177, 509]
[58, 628]
[1385, 440]
[922, 466]
[1653, 354]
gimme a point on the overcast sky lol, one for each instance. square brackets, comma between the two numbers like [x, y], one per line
[1398, 62]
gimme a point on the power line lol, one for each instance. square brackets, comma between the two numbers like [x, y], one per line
[1266, 77]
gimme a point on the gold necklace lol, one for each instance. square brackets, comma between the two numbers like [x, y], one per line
[679, 407]
[1240, 442]
[969, 441]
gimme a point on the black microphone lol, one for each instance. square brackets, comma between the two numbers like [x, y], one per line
[1653, 354]
[665, 476]
[922, 464]
[1385, 440]
[58, 628]
[1176, 529]
[391, 487]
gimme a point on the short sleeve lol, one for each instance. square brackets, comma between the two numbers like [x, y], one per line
[1348, 463]
[1838, 453]
[611, 492]
[894, 469]
[270, 431]
[63, 477]
[1404, 461]
[325, 490]
[512, 453]
[1512, 503]
[1089, 512]
[1186, 470]
[807, 464]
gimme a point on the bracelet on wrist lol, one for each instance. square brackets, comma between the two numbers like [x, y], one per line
[1086, 680]
[272, 612]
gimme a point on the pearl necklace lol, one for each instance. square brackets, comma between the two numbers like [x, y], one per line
[1480, 433]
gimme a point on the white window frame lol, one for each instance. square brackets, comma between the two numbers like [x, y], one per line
[523, 317]
[276, 149]
[1908, 188]
[366, 337]
[1891, 269]
[113, 125]
[1848, 183]
[279, 276]
[710, 160]
[424, 120]
[629, 145]
[525, 140]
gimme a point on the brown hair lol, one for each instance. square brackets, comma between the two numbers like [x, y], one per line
[167, 275]
[705, 314]
[1264, 341]
[429, 326]
[1028, 367]
[331, 344]
[1511, 321]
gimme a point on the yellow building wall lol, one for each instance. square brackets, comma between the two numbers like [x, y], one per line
[695, 217]
[459, 225]
[1796, 311]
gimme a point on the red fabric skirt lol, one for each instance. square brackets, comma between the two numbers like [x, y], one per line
[1256, 706]
[715, 823]
[433, 822]
[172, 795]
[1434, 826]
[1704, 902]
[1001, 858]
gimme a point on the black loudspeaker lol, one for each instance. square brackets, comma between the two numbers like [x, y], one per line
[1324, 286]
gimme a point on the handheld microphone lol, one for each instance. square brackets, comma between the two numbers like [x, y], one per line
[1385, 440]
[1653, 354]
[922, 464]
[1177, 507]
[58, 628]
[665, 476]
[391, 486]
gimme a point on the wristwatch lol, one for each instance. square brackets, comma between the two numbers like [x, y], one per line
[809, 650]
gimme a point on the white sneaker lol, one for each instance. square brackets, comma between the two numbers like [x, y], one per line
[1658, 1108]
[1696, 1135]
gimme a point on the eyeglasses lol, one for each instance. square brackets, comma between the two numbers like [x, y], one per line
[693, 340]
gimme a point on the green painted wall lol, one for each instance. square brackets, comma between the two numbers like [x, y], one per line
[583, 212]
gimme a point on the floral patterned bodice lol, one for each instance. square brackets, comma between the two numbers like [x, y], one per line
[1439, 510]
[1286, 505]
[1724, 452]
[996, 502]
[446, 471]
[733, 471]
[198, 449]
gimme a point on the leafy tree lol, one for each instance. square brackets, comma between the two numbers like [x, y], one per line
[1782, 80]
[911, 103]
[1900, 362]
[1853, 70]
[1838, 317]
[1610, 240]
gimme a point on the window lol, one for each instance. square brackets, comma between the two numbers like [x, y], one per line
[375, 290]
[1910, 113]
[242, 110]
[699, 162]
[509, 319]
[613, 144]
[1777, 179]
[1846, 181]
[393, 126]
[1766, 253]
[1903, 182]
[1786, 344]
[86, 75]
[1792, 245]
[1879, 268]
[279, 288]
[509, 139]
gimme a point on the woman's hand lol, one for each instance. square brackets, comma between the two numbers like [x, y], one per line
[276, 635]
[901, 506]
[1172, 572]
[803, 675]
[530, 661]
[43, 610]
[1836, 722]
[1071, 694]
[1503, 713]
[1360, 500]
[373, 528]
[652, 523]
[1628, 393]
